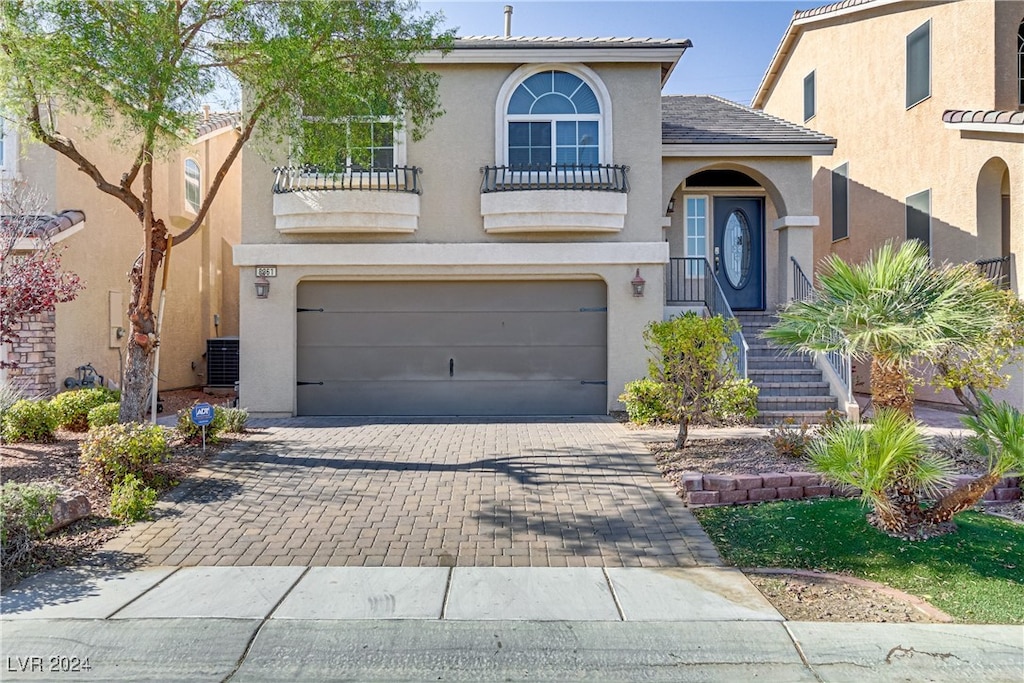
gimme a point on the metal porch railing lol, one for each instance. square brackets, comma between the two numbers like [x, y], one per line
[587, 177]
[690, 281]
[840, 363]
[997, 270]
[313, 178]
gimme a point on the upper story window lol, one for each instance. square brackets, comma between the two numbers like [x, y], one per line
[841, 202]
[809, 101]
[1020, 64]
[919, 67]
[8, 148]
[553, 115]
[358, 144]
[193, 189]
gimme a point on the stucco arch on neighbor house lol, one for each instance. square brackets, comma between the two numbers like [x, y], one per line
[992, 199]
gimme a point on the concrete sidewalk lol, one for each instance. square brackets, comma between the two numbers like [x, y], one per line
[462, 623]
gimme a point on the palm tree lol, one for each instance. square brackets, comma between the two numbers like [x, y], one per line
[892, 309]
[890, 462]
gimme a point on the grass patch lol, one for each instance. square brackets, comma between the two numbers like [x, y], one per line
[975, 575]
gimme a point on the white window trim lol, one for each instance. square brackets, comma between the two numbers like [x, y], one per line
[906, 64]
[10, 167]
[686, 225]
[184, 190]
[587, 75]
[813, 75]
[400, 150]
[930, 217]
[832, 210]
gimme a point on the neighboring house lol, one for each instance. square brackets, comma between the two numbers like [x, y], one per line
[102, 240]
[509, 261]
[926, 100]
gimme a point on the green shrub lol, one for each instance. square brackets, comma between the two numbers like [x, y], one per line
[644, 402]
[188, 430]
[234, 419]
[29, 421]
[71, 408]
[112, 452]
[103, 415]
[131, 500]
[26, 511]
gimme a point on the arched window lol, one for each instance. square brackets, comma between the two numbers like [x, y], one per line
[193, 190]
[1020, 64]
[552, 115]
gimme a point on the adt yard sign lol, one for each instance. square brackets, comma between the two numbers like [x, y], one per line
[202, 414]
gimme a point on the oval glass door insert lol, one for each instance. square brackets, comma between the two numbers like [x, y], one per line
[736, 249]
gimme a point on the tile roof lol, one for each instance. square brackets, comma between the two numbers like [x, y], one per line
[45, 225]
[216, 121]
[1015, 118]
[828, 9]
[708, 119]
[513, 42]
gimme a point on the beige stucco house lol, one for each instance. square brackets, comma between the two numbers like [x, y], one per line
[508, 262]
[101, 239]
[926, 101]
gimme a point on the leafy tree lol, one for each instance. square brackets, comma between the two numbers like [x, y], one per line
[31, 278]
[693, 360]
[894, 309]
[968, 372]
[139, 70]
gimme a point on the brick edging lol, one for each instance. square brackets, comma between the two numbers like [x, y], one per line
[701, 490]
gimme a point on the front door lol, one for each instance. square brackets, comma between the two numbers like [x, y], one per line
[738, 257]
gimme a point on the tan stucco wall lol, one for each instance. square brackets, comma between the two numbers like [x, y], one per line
[451, 156]
[894, 152]
[202, 281]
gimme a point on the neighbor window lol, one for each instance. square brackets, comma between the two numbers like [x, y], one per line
[919, 218]
[193, 191]
[841, 202]
[1020, 64]
[809, 109]
[553, 117]
[696, 231]
[919, 68]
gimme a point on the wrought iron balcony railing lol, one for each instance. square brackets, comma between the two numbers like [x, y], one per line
[997, 270]
[588, 177]
[313, 178]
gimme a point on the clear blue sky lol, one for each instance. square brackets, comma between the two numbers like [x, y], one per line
[732, 41]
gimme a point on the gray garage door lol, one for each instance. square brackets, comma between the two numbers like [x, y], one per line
[452, 348]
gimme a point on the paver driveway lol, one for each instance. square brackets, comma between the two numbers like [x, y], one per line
[480, 492]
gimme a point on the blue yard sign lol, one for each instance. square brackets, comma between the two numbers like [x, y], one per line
[202, 414]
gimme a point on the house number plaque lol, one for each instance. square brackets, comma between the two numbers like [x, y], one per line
[266, 271]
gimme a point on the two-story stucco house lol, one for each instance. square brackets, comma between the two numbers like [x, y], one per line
[100, 240]
[926, 101]
[509, 261]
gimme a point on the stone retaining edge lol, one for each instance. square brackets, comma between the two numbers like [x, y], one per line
[706, 490]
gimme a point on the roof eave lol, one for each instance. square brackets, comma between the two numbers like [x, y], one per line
[795, 25]
[667, 56]
[748, 149]
[1011, 128]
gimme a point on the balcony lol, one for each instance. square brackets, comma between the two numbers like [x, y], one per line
[310, 200]
[552, 199]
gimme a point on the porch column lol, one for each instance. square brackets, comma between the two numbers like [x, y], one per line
[796, 240]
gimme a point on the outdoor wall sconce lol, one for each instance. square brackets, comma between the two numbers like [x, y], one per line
[671, 206]
[262, 287]
[638, 284]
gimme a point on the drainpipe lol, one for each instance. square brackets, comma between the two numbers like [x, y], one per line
[508, 21]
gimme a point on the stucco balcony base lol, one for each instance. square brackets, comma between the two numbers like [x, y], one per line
[553, 211]
[347, 211]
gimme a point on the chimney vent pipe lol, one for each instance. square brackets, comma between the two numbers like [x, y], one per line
[508, 21]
